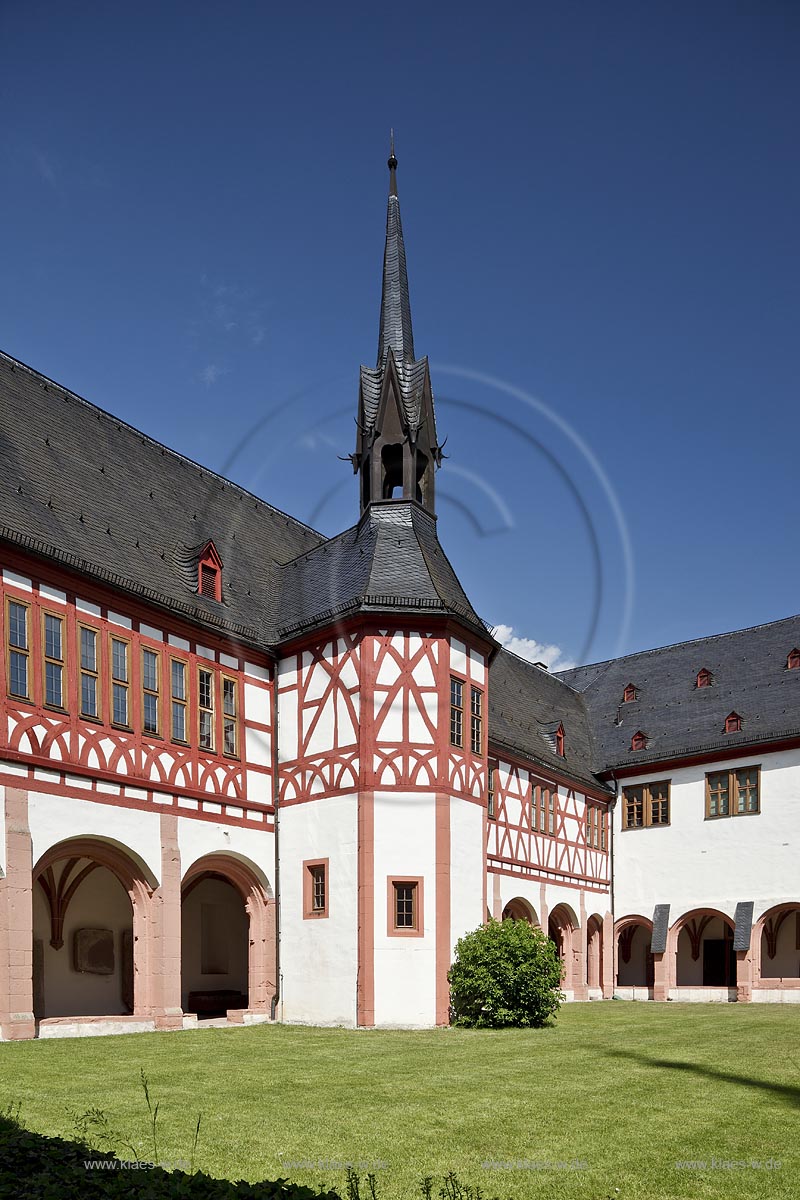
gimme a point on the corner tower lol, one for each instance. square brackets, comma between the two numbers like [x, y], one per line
[397, 450]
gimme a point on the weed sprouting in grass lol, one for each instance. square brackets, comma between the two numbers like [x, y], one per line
[153, 1110]
[353, 1185]
[194, 1142]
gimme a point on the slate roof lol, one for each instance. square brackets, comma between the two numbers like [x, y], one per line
[396, 334]
[749, 675]
[526, 705]
[86, 489]
[390, 561]
[395, 324]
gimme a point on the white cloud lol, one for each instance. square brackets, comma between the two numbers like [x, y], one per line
[530, 649]
[210, 374]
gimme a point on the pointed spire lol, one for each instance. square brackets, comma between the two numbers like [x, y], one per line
[395, 328]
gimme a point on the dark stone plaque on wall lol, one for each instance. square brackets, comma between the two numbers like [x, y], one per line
[93, 951]
[658, 942]
[743, 924]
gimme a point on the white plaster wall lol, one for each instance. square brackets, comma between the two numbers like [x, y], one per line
[467, 862]
[694, 863]
[99, 903]
[405, 967]
[197, 838]
[53, 819]
[319, 956]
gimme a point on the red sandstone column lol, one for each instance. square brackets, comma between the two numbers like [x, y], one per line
[607, 981]
[442, 926]
[580, 989]
[261, 970]
[166, 961]
[744, 976]
[16, 918]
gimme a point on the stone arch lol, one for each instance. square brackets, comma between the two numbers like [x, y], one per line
[74, 873]
[775, 946]
[632, 936]
[519, 909]
[255, 892]
[594, 952]
[563, 929]
[701, 941]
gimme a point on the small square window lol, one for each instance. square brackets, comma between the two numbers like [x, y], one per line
[404, 917]
[315, 888]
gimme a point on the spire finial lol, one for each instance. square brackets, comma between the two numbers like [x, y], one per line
[392, 165]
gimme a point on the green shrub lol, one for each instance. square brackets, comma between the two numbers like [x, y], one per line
[505, 973]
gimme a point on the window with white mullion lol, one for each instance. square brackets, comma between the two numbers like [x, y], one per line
[179, 699]
[205, 695]
[230, 716]
[53, 630]
[120, 682]
[151, 687]
[89, 672]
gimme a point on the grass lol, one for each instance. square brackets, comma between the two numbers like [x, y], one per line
[627, 1089]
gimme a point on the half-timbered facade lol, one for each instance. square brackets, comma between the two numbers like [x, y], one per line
[252, 773]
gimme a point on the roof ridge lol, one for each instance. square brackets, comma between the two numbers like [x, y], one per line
[158, 445]
[711, 637]
[544, 671]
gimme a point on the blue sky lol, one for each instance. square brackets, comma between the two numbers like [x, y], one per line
[600, 210]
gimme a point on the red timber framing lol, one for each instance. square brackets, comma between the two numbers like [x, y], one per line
[547, 828]
[76, 754]
[363, 709]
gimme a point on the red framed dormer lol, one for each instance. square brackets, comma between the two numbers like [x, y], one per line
[209, 573]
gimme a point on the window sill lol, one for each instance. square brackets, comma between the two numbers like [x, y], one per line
[728, 816]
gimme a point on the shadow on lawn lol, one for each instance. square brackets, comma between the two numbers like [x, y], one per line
[785, 1092]
[33, 1166]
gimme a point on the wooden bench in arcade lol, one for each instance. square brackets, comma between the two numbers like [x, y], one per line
[215, 1003]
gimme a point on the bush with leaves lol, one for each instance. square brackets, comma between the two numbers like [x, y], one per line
[505, 973]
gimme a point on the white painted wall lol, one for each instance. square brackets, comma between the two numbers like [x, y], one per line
[319, 956]
[197, 838]
[53, 819]
[694, 863]
[467, 865]
[405, 967]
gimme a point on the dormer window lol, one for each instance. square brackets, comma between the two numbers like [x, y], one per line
[704, 678]
[630, 694]
[639, 741]
[733, 723]
[560, 741]
[209, 573]
[793, 660]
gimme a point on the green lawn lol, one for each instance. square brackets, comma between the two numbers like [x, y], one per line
[627, 1089]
